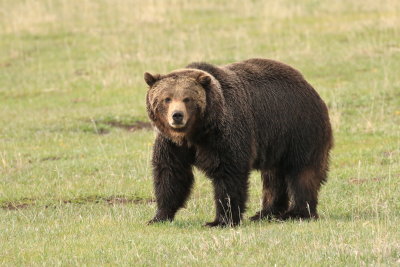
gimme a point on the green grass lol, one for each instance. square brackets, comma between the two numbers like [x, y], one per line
[75, 182]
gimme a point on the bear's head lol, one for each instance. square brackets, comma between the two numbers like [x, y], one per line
[177, 102]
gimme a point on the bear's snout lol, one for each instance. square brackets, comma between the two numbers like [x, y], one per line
[177, 117]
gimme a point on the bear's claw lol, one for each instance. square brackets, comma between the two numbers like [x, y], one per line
[268, 215]
[218, 223]
[214, 224]
[293, 215]
[158, 219]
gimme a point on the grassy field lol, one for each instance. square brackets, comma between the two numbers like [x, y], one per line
[75, 177]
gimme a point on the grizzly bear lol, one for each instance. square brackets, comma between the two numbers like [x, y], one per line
[256, 114]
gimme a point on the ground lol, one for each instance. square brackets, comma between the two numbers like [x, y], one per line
[75, 179]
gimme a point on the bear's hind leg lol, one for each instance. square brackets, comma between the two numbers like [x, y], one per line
[303, 189]
[275, 197]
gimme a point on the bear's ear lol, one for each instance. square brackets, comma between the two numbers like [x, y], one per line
[204, 79]
[151, 79]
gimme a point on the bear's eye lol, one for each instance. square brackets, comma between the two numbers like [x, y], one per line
[186, 100]
[167, 100]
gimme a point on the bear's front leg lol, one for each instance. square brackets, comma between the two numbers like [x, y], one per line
[173, 177]
[230, 199]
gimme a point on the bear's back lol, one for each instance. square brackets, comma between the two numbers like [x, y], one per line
[287, 111]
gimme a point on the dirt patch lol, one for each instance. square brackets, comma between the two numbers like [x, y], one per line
[104, 125]
[111, 200]
[50, 158]
[18, 204]
[15, 206]
[138, 125]
[122, 200]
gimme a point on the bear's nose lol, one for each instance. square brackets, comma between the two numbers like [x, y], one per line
[177, 116]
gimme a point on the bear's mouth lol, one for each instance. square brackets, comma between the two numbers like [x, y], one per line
[180, 128]
[177, 125]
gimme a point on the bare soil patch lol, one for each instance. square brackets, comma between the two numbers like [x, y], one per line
[104, 125]
[110, 200]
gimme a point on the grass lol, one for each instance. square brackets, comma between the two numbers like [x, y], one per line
[75, 177]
